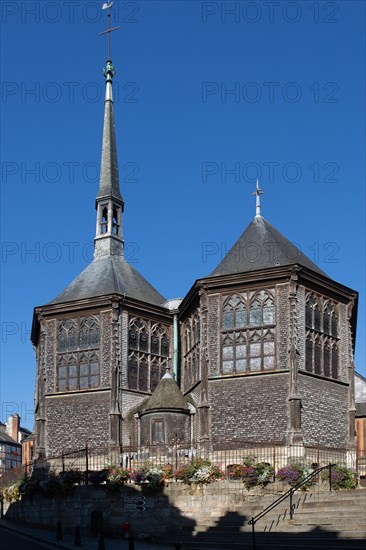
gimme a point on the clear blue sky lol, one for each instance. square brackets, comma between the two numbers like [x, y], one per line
[189, 150]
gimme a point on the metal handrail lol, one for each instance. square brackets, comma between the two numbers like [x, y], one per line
[289, 494]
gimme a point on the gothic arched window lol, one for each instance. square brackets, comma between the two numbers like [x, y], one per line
[234, 313]
[245, 349]
[159, 341]
[321, 351]
[104, 220]
[149, 346]
[115, 221]
[191, 335]
[89, 333]
[67, 336]
[78, 370]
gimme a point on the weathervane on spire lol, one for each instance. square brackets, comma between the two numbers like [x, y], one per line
[107, 6]
[258, 192]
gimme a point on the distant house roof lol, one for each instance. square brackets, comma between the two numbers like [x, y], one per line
[5, 438]
[360, 388]
[360, 410]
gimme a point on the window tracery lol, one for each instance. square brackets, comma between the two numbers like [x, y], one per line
[148, 353]
[248, 332]
[191, 364]
[78, 372]
[78, 359]
[322, 339]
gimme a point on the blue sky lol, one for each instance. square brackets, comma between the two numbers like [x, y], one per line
[208, 95]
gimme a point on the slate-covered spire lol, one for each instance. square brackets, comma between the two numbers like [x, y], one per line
[109, 202]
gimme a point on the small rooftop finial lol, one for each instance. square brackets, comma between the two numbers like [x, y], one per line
[258, 192]
[167, 370]
[107, 6]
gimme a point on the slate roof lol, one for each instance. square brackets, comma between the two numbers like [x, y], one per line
[262, 246]
[5, 438]
[109, 180]
[167, 395]
[110, 275]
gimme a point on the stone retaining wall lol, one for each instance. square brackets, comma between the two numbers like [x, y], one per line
[149, 512]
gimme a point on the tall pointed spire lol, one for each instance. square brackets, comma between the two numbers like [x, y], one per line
[109, 203]
[258, 192]
[109, 179]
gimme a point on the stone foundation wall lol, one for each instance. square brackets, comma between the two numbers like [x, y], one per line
[149, 512]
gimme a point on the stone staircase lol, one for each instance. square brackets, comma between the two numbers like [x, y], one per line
[320, 520]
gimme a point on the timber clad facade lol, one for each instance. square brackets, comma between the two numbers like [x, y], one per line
[260, 350]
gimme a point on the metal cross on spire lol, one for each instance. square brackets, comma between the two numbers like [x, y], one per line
[107, 6]
[258, 192]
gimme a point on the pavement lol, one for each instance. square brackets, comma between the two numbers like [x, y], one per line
[47, 539]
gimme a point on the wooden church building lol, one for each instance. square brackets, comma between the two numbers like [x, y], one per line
[256, 349]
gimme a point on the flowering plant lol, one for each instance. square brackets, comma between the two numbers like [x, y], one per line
[168, 472]
[200, 470]
[236, 471]
[138, 476]
[294, 473]
[341, 477]
[12, 493]
[155, 477]
[117, 477]
[252, 473]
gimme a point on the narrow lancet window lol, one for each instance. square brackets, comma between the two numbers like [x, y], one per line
[104, 221]
[115, 222]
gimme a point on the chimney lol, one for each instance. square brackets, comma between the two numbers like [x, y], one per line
[12, 427]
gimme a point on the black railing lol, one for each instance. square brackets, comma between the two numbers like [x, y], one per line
[289, 495]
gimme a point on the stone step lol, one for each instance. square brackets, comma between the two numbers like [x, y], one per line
[217, 534]
[327, 521]
[285, 541]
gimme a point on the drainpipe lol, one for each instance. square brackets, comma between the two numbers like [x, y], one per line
[175, 346]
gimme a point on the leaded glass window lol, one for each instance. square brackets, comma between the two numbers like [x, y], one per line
[155, 375]
[327, 359]
[78, 370]
[309, 360]
[244, 349]
[132, 372]
[149, 348]
[321, 352]
[191, 348]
